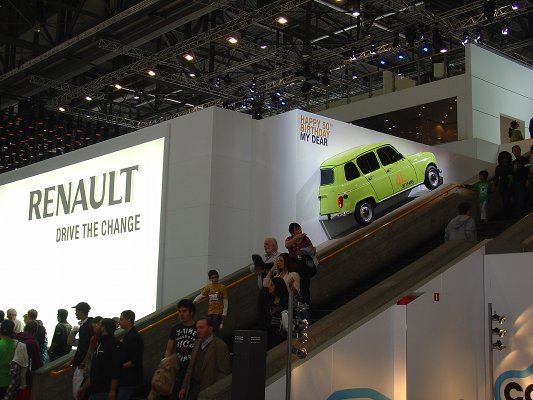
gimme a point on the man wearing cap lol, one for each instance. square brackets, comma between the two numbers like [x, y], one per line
[59, 346]
[84, 339]
[19, 325]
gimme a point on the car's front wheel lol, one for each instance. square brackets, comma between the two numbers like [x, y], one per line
[432, 177]
[364, 212]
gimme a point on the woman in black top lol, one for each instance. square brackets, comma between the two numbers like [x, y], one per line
[276, 312]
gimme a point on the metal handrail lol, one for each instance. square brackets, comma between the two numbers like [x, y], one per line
[325, 258]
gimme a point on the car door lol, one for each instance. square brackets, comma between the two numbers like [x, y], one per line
[400, 171]
[379, 179]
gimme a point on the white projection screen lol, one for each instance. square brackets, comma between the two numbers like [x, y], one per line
[85, 232]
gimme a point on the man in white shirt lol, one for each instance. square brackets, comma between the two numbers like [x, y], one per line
[19, 325]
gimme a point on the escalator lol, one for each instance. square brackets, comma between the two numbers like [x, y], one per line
[371, 266]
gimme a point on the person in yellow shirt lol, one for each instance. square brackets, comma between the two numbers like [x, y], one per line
[217, 297]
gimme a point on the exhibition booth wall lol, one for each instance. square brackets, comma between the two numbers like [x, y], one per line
[437, 346]
[214, 184]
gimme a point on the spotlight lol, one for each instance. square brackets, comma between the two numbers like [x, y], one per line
[151, 72]
[282, 103]
[372, 48]
[61, 109]
[282, 20]
[278, 93]
[401, 55]
[425, 48]
[218, 82]
[515, 6]
[117, 86]
[466, 39]
[499, 331]
[489, 10]
[478, 38]
[355, 8]
[302, 337]
[382, 61]
[498, 345]
[499, 318]
[505, 30]
[233, 40]
[192, 74]
[253, 85]
[88, 98]
[353, 54]
[188, 57]
[396, 40]
[300, 353]
[136, 97]
[354, 75]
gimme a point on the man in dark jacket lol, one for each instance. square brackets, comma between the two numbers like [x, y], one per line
[131, 357]
[59, 346]
[105, 366]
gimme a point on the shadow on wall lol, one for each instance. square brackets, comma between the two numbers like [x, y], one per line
[505, 123]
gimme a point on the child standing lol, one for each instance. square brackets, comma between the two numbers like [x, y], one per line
[217, 297]
[482, 188]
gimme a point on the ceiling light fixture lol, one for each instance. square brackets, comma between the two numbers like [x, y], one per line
[188, 56]
[88, 98]
[282, 20]
[151, 72]
[61, 109]
[356, 8]
[233, 40]
[117, 86]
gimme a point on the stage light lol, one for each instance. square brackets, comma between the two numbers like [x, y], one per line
[401, 55]
[489, 10]
[353, 54]
[151, 72]
[282, 103]
[478, 38]
[505, 30]
[354, 75]
[253, 85]
[499, 331]
[278, 92]
[466, 39]
[282, 20]
[498, 345]
[218, 82]
[515, 6]
[233, 40]
[382, 61]
[498, 318]
[396, 40]
[61, 109]
[88, 98]
[372, 48]
[192, 74]
[425, 48]
[188, 56]
[300, 353]
[136, 97]
[355, 8]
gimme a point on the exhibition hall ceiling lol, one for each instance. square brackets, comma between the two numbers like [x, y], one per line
[100, 68]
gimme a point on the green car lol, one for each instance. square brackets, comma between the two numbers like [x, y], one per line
[357, 180]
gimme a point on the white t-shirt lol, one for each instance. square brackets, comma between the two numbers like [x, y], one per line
[21, 358]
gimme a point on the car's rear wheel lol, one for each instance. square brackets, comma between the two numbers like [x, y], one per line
[364, 212]
[432, 177]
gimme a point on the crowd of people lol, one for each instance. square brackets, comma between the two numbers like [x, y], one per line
[512, 180]
[105, 367]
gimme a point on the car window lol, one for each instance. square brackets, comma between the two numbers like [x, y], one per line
[367, 163]
[388, 155]
[326, 176]
[350, 171]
